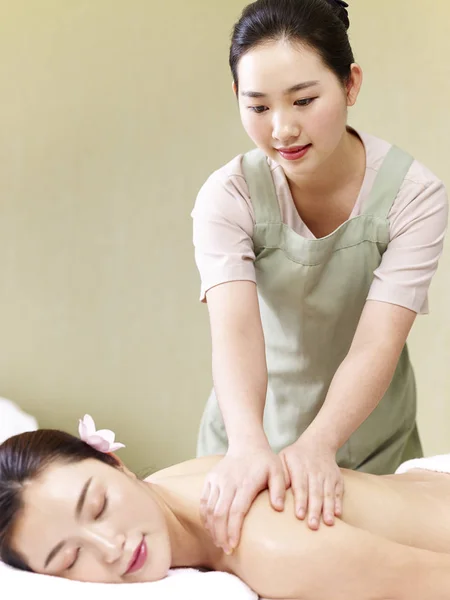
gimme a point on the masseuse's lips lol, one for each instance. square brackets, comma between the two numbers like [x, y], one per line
[293, 152]
[292, 148]
[138, 558]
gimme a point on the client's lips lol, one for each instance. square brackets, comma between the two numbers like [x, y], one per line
[138, 559]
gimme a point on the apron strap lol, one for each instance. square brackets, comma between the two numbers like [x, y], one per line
[261, 187]
[388, 182]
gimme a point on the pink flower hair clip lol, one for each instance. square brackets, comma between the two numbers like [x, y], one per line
[102, 440]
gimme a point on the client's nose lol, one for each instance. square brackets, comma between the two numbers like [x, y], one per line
[113, 551]
[110, 546]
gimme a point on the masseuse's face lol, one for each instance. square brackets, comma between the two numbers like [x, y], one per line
[89, 521]
[289, 99]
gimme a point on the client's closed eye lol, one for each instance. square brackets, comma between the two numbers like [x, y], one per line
[103, 508]
[72, 564]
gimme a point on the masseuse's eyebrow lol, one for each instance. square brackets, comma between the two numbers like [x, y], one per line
[78, 511]
[294, 88]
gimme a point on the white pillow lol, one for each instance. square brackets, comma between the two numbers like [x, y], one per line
[13, 420]
[182, 584]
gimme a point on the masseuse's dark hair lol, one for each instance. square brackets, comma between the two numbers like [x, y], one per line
[23, 458]
[319, 24]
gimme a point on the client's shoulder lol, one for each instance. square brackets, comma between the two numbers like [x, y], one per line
[196, 466]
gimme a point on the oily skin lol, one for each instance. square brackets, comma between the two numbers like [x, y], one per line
[280, 557]
[98, 544]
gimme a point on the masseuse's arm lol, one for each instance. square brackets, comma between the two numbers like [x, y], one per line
[417, 225]
[356, 389]
[366, 373]
[240, 382]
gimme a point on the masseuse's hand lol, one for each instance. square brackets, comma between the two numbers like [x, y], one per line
[231, 487]
[316, 480]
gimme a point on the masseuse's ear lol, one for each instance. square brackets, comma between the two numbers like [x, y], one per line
[353, 84]
[234, 88]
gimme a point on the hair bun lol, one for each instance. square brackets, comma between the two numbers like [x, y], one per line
[340, 7]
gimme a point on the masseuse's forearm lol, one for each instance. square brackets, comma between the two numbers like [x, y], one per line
[239, 361]
[240, 382]
[356, 389]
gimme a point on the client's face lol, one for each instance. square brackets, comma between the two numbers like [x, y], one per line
[91, 522]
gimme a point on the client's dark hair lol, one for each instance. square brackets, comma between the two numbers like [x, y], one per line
[22, 459]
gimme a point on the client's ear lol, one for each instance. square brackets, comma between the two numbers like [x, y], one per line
[122, 467]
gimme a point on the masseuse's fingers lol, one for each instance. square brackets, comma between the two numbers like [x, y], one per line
[339, 497]
[220, 516]
[240, 507]
[210, 508]
[329, 490]
[287, 475]
[315, 501]
[234, 482]
[204, 501]
[300, 489]
[277, 487]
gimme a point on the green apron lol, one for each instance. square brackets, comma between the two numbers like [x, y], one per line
[311, 294]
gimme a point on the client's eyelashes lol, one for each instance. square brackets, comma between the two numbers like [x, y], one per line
[103, 509]
[72, 564]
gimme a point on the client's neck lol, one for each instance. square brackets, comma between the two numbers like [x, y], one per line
[191, 544]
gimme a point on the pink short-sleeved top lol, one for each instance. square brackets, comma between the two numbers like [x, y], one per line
[224, 219]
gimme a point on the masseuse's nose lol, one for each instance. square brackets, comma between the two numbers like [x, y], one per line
[285, 129]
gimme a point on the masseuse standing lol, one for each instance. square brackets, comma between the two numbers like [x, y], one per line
[315, 251]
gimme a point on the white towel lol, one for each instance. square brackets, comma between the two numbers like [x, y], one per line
[182, 584]
[439, 463]
[13, 420]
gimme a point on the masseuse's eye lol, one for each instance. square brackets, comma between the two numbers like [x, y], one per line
[258, 109]
[103, 508]
[304, 101]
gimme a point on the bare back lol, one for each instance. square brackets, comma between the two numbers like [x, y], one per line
[411, 509]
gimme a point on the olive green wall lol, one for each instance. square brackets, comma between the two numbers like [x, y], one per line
[112, 114]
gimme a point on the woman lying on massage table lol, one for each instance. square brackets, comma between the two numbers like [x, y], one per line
[74, 511]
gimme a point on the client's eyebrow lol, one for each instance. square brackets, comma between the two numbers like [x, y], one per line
[294, 88]
[82, 497]
[78, 510]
